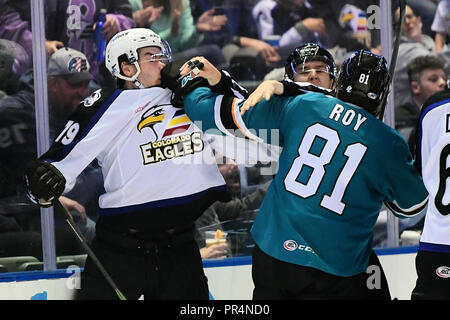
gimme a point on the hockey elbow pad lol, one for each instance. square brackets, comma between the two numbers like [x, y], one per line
[44, 182]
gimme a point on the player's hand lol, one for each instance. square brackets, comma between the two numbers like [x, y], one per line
[215, 251]
[44, 182]
[264, 91]
[207, 71]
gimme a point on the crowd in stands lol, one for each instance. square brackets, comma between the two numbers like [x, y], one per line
[250, 39]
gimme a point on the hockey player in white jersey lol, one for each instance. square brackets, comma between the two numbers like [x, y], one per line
[159, 177]
[432, 160]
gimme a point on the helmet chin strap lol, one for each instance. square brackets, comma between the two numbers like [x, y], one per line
[138, 84]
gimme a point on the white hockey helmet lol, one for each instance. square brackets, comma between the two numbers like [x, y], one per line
[127, 43]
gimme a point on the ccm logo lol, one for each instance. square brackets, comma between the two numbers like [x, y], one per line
[290, 245]
[443, 272]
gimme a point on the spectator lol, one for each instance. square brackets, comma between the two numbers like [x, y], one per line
[427, 9]
[246, 54]
[236, 208]
[346, 24]
[175, 24]
[15, 40]
[293, 20]
[15, 64]
[413, 43]
[68, 23]
[67, 85]
[75, 30]
[441, 25]
[426, 76]
[143, 17]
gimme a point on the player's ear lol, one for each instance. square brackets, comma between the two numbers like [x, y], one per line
[128, 69]
[415, 87]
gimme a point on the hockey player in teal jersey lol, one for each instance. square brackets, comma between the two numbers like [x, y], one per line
[338, 165]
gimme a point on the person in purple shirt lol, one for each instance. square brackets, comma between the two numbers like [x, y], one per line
[68, 23]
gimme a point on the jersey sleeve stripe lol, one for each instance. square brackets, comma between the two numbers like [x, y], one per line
[228, 118]
[222, 123]
[237, 119]
[223, 117]
[407, 212]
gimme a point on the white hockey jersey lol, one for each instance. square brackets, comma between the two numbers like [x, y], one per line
[433, 154]
[152, 156]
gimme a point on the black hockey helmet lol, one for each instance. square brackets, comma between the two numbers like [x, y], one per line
[309, 52]
[363, 80]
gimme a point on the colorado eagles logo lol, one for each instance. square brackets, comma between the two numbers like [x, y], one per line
[179, 123]
[176, 144]
[151, 117]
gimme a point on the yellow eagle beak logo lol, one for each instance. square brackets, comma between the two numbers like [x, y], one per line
[150, 120]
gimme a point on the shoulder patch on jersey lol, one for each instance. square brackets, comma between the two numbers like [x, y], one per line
[89, 101]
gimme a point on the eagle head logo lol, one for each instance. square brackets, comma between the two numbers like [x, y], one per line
[150, 118]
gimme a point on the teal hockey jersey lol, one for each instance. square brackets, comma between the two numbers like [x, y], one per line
[337, 167]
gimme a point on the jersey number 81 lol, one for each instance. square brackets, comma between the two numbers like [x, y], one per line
[354, 152]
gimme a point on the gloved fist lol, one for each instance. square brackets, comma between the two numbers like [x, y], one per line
[44, 182]
[180, 85]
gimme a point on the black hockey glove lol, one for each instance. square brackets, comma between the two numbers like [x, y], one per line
[44, 182]
[181, 85]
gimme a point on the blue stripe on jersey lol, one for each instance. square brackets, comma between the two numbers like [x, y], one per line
[161, 203]
[424, 112]
[105, 105]
[435, 247]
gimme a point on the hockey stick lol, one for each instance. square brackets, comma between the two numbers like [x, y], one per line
[394, 55]
[85, 245]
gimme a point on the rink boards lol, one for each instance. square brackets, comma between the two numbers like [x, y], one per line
[228, 279]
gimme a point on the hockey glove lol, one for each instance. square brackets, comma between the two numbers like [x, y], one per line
[181, 85]
[44, 182]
